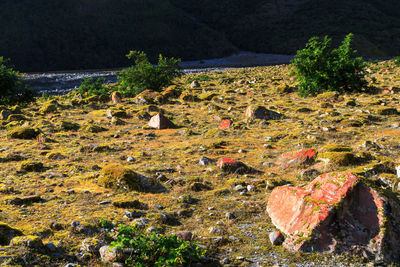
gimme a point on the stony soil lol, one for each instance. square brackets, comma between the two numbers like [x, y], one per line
[59, 169]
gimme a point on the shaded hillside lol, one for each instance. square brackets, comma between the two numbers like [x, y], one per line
[82, 34]
[283, 26]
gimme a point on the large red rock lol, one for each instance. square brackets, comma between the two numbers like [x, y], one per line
[338, 213]
[159, 121]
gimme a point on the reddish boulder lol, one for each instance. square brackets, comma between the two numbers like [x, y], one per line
[225, 124]
[338, 213]
[232, 166]
[159, 121]
[301, 157]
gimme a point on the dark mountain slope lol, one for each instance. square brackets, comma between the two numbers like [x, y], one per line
[80, 34]
[283, 26]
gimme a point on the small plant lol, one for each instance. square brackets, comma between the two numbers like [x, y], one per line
[12, 88]
[396, 61]
[143, 75]
[90, 87]
[200, 78]
[156, 250]
[319, 67]
[105, 224]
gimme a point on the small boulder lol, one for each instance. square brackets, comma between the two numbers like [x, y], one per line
[7, 233]
[259, 112]
[4, 114]
[117, 176]
[23, 133]
[300, 158]
[225, 124]
[16, 117]
[29, 241]
[49, 107]
[276, 238]
[185, 235]
[110, 254]
[116, 97]
[195, 84]
[232, 166]
[25, 200]
[31, 166]
[171, 92]
[204, 161]
[159, 121]
[69, 126]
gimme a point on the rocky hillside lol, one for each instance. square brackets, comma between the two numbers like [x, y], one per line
[80, 34]
[217, 158]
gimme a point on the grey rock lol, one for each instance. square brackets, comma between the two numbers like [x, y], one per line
[185, 235]
[216, 230]
[110, 254]
[229, 216]
[50, 247]
[194, 84]
[152, 229]
[130, 159]
[204, 161]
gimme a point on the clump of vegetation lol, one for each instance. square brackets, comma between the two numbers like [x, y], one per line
[23, 133]
[31, 166]
[118, 177]
[154, 249]
[143, 75]
[12, 88]
[319, 67]
[201, 78]
[397, 61]
[91, 86]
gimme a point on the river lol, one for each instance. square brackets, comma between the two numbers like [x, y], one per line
[57, 83]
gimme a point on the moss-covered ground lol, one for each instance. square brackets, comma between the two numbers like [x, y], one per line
[63, 163]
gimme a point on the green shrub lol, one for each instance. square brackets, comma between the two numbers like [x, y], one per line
[153, 249]
[319, 67]
[397, 61]
[90, 87]
[12, 89]
[200, 78]
[143, 75]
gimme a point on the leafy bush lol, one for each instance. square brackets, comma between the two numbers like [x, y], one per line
[91, 87]
[12, 89]
[143, 75]
[319, 67]
[397, 61]
[156, 250]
